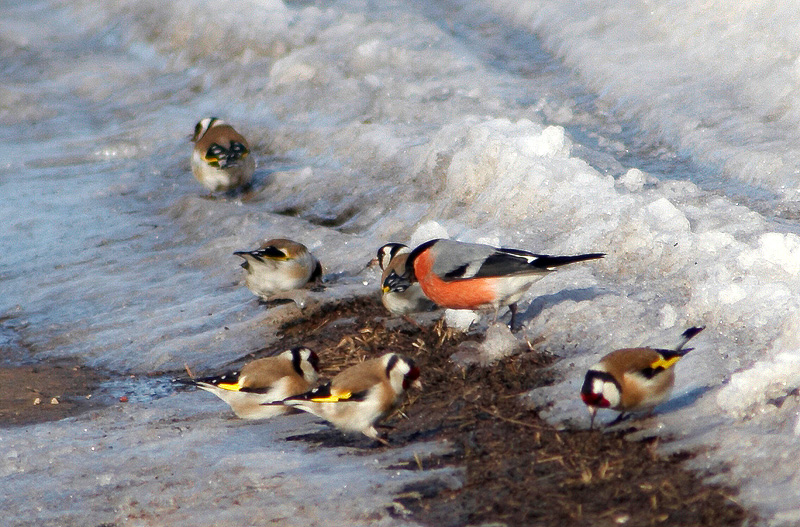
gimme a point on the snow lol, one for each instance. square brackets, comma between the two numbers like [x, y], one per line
[185, 457]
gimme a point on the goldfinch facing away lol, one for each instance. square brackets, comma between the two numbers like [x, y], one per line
[221, 158]
[279, 265]
[398, 297]
[361, 396]
[458, 275]
[633, 379]
[263, 381]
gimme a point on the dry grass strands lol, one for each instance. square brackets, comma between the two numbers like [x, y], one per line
[519, 470]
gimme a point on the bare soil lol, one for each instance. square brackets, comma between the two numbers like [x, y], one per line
[519, 469]
[45, 392]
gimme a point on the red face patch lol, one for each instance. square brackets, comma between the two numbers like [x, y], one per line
[410, 377]
[594, 399]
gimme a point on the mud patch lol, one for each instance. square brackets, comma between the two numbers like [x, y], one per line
[46, 392]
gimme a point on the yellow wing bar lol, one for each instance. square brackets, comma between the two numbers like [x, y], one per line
[333, 398]
[233, 387]
[665, 363]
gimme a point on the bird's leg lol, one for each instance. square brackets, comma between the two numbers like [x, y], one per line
[513, 309]
[372, 433]
[383, 425]
[621, 417]
[411, 321]
[592, 412]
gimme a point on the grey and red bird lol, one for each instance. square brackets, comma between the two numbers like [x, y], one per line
[459, 275]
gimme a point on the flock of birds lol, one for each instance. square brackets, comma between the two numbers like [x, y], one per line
[438, 273]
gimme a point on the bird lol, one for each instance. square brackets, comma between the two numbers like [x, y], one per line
[400, 300]
[279, 265]
[359, 397]
[459, 275]
[633, 379]
[264, 380]
[221, 158]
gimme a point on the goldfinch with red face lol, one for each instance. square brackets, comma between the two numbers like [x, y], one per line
[359, 397]
[399, 300]
[221, 158]
[633, 379]
[458, 275]
[279, 265]
[263, 381]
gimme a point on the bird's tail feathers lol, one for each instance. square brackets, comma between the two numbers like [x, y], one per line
[551, 262]
[317, 393]
[686, 336]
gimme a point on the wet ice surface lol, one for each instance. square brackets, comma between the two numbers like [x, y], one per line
[184, 460]
[378, 121]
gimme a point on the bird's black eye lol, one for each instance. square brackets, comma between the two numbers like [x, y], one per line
[270, 251]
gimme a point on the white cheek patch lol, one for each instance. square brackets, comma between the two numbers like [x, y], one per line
[308, 370]
[610, 393]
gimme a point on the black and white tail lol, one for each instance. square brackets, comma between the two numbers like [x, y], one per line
[688, 335]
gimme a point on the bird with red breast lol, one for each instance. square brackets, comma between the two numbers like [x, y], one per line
[459, 275]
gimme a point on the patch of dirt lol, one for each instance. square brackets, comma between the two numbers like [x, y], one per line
[45, 392]
[519, 470]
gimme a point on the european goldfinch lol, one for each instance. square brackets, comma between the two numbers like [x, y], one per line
[263, 381]
[633, 379]
[279, 265]
[359, 397]
[458, 275]
[221, 158]
[404, 298]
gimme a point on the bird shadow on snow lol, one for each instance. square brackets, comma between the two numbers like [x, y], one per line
[539, 304]
[638, 422]
[684, 400]
[332, 438]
